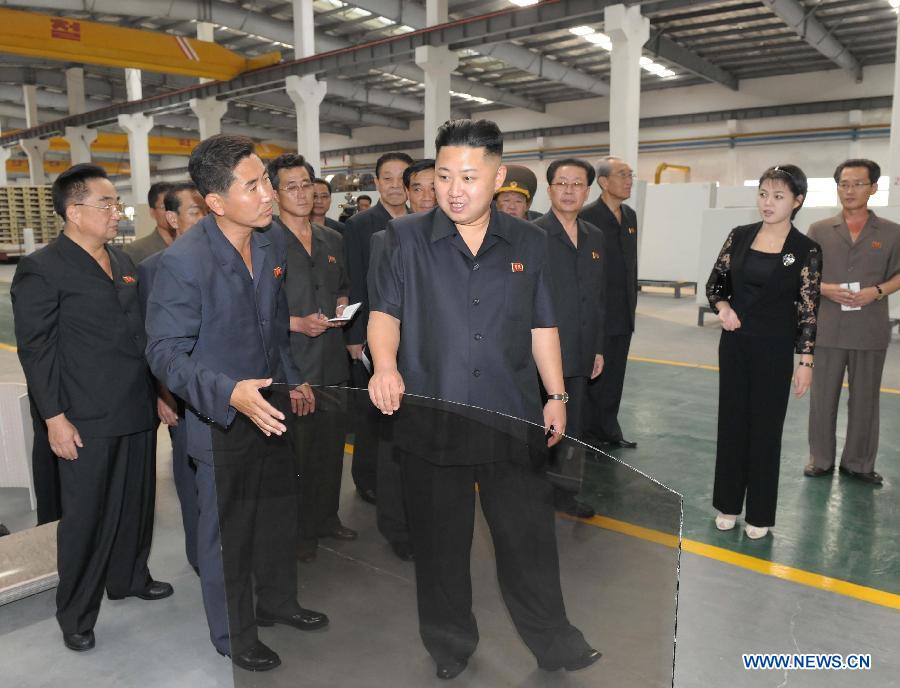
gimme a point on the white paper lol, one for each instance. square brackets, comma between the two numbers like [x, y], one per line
[854, 287]
[348, 313]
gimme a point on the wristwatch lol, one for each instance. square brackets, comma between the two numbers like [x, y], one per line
[880, 293]
[564, 397]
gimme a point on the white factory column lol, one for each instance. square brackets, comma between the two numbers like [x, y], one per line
[893, 164]
[628, 31]
[306, 92]
[438, 63]
[79, 138]
[34, 148]
[734, 178]
[5, 154]
[209, 111]
[138, 127]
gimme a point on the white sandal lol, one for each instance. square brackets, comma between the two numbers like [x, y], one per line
[755, 532]
[725, 521]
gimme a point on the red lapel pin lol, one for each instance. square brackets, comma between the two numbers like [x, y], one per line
[595, 255]
[128, 279]
[278, 271]
[876, 244]
[517, 267]
[332, 259]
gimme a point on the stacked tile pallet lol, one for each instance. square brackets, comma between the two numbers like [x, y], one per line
[26, 206]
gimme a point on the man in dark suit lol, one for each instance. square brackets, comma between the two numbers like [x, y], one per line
[619, 225]
[322, 204]
[184, 208]
[217, 326]
[80, 340]
[575, 255]
[389, 169]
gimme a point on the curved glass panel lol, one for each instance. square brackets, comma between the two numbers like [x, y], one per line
[504, 589]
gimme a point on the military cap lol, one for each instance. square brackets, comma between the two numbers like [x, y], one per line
[520, 179]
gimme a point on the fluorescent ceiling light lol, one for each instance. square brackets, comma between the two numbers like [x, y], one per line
[581, 30]
[524, 3]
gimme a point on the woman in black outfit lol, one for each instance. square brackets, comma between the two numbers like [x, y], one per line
[765, 288]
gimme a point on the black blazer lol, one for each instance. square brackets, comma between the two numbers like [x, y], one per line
[789, 302]
[626, 233]
[80, 338]
[358, 233]
[579, 294]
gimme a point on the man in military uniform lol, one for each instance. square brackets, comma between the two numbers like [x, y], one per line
[516, 194]
[162, 235]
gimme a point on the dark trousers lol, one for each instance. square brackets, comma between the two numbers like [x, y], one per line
[517, 504]
[754, 387]
[604, 394]
[256, 494]
[364, 467]
[566, 465]
[319, 458]
[104, 535]
[44, 470]
[390, 509]
[185, 474]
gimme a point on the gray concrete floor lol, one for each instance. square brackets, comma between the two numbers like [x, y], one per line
[723, 611]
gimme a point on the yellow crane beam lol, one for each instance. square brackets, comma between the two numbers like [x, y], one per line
[76, 40]
[20, 165]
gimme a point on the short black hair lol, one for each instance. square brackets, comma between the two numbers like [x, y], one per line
[873, 167]
[173, 203]
[482, 133]
[415, 168]
[387, 157]
[213, 161]
[362, 196]
[71, 186]
[319, 180]
[157, 189]
[571, 162]
[793, 176]
[288, 161]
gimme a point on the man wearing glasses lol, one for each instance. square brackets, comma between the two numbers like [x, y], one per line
[861, 266]
[80, 340]
[619, 225]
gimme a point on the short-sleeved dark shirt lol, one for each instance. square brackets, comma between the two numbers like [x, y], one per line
[466, 320]
[314, 283]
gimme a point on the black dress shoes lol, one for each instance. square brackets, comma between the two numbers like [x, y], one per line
[573, 507]
[339, 532]
[367, 495]
[872, 478]
[813, 471]
[155, 590]
[304, 620]
[260, 657]
[79, 642]
[623, 444]
[403, 550]
[582, 661]
[451, 669]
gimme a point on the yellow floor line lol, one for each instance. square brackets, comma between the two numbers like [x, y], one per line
[744, 561]
[8, 347]
[704, 366]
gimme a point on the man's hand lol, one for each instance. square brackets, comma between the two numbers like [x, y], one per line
[863, 297]
[311, 325]
[554, 420]
[247, 399]
[386, 390]
[167, 407]
[598, 366]
[303, 401]
[835, 292]
[729, 319]
[64, 438]
[355, 351]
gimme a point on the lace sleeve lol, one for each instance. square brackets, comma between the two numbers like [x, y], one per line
[808, 303]
[718, 286]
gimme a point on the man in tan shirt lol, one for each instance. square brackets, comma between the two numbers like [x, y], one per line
[861, 267]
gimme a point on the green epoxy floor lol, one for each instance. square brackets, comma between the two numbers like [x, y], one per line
[835, 526]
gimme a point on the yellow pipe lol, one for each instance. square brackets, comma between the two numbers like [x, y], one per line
[76, 40]
[663, 166]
